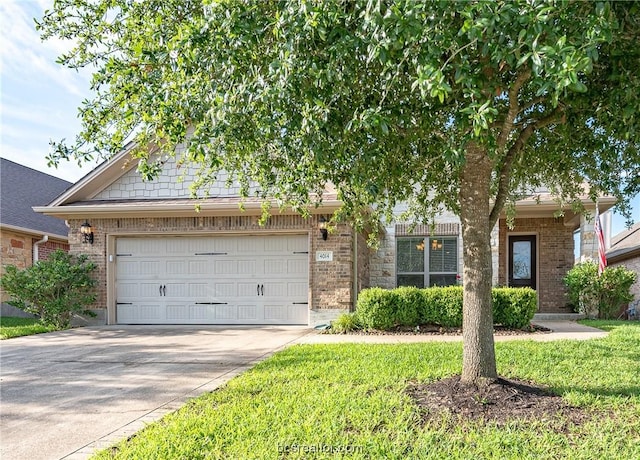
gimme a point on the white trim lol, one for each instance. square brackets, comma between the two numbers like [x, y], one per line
[15, 228]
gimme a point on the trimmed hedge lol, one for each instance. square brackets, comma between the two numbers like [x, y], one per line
[384, 309]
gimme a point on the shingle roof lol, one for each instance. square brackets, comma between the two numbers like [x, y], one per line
[20, 189]
[625, 243]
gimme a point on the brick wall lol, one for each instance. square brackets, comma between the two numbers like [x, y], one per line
[17, 249]
[632, 264]
[45, 249]
[555, 259]
[331, 283]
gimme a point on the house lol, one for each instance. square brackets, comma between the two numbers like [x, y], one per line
[162, 262]
[625, 251]
[28, 236]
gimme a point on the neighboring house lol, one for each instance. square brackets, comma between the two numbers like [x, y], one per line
[161, 262]
[26, 235]
[625, 251]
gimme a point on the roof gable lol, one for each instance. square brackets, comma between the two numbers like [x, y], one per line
[173, 182]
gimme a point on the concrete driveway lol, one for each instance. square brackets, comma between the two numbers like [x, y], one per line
[66, 393]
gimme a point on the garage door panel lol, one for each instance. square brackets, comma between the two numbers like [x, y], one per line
[276, 312]
[177, 267]
[176, 290]
[249, 245]
[220, 285]
[297, 290]
[127, 268]
[127, 290]
[150, 267]
[177, 313]
[224, 290]
[272, 266]
[225, 267]
[225, 312]
[247, 267]
[247, 289]
[298, 267]
[298, 243]
[200, 266]
[248, 312]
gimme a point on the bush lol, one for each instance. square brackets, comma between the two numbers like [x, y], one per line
[596, 295]
[442, 306]
[376, 308]
[384, 309]
[54, 289]
[345, 323]
[514, 307]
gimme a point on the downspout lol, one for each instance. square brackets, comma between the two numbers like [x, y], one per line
[44, 239]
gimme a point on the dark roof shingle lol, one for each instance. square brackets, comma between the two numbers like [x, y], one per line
[20, 189]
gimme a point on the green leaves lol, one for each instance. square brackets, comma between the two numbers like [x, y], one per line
[54, 289]
[377, 98]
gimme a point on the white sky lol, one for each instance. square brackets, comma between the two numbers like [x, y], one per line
[40, 98]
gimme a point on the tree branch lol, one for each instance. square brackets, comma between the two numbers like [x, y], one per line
[514, 108]
[518, 145]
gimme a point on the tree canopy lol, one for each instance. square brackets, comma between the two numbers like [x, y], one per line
[457, 105]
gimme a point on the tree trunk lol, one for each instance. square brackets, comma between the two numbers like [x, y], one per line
[478, 356]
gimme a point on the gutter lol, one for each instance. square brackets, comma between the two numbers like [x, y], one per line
[44, 239]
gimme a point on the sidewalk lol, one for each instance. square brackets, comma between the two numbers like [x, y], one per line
[559, 330]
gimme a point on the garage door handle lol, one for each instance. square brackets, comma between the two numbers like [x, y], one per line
[211, 303]
[164, 290]
[258, 288]
[160, 290]
[262, 289]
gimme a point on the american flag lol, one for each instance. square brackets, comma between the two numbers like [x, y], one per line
[597, 228]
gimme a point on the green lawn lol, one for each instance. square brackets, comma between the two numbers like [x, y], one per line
[309, 399]
[16, 327]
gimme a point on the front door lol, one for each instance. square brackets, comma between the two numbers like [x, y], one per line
[522, 261]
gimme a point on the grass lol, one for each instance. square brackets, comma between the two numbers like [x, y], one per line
[348, 401]
[11, 326]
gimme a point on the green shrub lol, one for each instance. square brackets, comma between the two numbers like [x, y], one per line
[514, 307]
[54, 289]
[410, 301]
[596, 295]
[383, 309]
[345, 323]
[442, 306]
[376, 308]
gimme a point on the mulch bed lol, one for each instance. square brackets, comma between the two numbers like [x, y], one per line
[499, 402]
[438, 330]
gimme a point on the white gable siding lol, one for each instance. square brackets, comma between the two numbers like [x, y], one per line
[173, 182]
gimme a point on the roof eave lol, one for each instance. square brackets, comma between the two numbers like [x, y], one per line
[174, 210]
[34, 232]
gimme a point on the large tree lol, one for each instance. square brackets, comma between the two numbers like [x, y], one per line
[456, 105]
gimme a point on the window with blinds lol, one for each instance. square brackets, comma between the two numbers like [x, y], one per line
[439, 255]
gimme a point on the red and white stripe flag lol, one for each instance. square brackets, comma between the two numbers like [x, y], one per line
[597, 228]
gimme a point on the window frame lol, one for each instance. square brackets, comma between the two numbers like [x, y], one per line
[426, 273]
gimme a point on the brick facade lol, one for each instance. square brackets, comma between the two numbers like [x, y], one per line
[331, 283]
[632, 264]
[17, 250]
[555, 258]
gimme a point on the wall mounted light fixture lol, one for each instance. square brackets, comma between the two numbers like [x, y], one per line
[322, 226]
[87, 232]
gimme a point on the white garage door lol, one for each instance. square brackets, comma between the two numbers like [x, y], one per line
[212, 280]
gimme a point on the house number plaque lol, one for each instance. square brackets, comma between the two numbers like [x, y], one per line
[324, 256]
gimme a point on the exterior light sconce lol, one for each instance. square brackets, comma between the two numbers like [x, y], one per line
[87, 232]
[322, 226]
